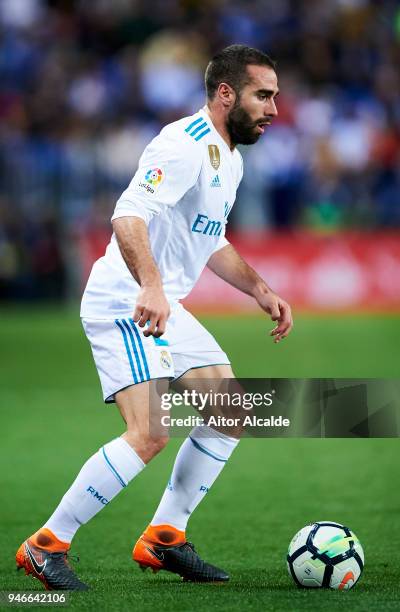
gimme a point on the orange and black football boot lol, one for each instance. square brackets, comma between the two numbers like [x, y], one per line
[163, 547]
[46, 558]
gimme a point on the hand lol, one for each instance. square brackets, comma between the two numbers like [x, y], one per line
[152, 305]
[279, 310]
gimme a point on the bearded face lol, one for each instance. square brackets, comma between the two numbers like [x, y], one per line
[242, 128]
[254, 106]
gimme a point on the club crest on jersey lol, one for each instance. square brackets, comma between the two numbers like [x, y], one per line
[214, 155]
[165, 360]
[152, 179]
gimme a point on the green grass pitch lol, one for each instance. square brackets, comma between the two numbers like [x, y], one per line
[53, 420]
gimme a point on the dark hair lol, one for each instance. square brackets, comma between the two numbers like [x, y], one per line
[229, 66]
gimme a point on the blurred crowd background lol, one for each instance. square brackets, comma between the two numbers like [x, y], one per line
[86, 84]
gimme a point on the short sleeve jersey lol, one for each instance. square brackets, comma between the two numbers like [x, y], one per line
[184, 189]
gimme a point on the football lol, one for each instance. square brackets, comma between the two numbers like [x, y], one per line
[325, 554]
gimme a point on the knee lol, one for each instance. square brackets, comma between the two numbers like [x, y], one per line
[145, 445]
[156, 445]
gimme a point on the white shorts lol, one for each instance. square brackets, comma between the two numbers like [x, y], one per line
[124, 356]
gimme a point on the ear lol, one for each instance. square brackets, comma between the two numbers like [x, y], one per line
[226, 95]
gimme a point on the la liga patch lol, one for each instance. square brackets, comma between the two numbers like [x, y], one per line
[154, 177]
[151, 179]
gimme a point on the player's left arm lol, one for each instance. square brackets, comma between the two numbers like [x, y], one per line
[231, 267]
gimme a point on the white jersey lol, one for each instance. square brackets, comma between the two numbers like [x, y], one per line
[184, 189]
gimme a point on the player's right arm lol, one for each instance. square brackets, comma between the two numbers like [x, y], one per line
[151, 304]
[168, 168]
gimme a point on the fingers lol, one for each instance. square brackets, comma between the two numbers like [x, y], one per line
[151, 329]
[138, 313]
[161, 325]
[144, 317]
[285, 323]
[275, 312]
[156, 321]
[156, 324]
[283, 335]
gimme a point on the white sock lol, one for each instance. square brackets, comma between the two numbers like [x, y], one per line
[102, 477]
[198, 463]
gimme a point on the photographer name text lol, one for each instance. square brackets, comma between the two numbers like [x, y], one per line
[223, 421]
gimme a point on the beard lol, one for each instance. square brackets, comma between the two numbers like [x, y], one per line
[241, 127]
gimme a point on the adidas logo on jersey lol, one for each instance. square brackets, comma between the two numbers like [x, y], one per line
[215, 182]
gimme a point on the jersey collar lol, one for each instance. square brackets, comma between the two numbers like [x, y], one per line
[203, 113]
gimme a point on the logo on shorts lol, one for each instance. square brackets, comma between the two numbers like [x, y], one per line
[213, 153]
[165, 359]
